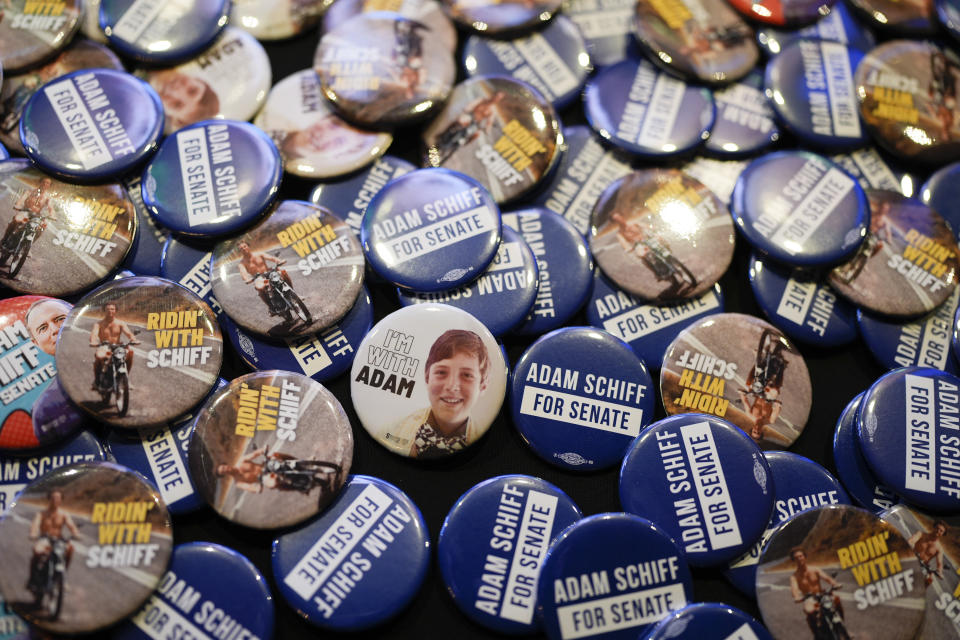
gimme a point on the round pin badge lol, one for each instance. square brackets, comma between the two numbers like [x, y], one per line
[322, 356]
[492, 17]
[208, 590]
[504, 294]
[14, 627]
[97, 523]
[906, 100]
[132, 336]
[709, 619]
[188, 264]
[497, 130]
[509, 522]
[82, 233]
[948, 14]
[799, 484]
[381, 69]
[840, 570]
[852, 469]
[613, 575]
[720, 176]
[897, 18]
[837, 26]
[784, 13]
[376, 552]
[431, 382]
[268, 20]
[658, 116]
[17, 89]
[30, 32]
[212, 178]
[701, 40]
[91, 125]
[800, 209]
[607, 28]
[146, 253]
[941, 191]
[553, 60]
[162, 33]
[873, 171]
[810, 83]
[4, 154]
[35, 410]
[904, 426]
[742, 369]
[802, 305]
[745, 122]
[955, 334]
[907, 265]
[271, 449]
[431, 230]
[661, 235]
[208, 85]
[568, 404]
[313, 140]
[319, 286]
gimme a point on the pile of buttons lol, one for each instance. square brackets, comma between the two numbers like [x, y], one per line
[520, 375]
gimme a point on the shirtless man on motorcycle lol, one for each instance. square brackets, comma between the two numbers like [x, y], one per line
[108, 331]
[277, 471]
[253, 264]
[48, 525]
[926, 545]
[29, 203]
[806, 581]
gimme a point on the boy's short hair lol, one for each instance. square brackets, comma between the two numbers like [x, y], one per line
[458, 340]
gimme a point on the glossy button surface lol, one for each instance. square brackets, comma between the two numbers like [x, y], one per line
[161, 32]
[30, 32]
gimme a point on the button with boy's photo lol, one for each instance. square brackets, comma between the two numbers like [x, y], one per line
[31, 32]
[162, 32]
[431, 382]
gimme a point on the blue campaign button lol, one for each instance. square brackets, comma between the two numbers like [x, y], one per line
[212, 178]
[564, 265]
[658, 116]
[704, 481]
[852, 469]
[431, 230]
[904, 421]
[492, 578]
[948, 13]
[613, 575]
[503, 295]
[837, 26]
[802, 305]
[553, 60]
[206, 590]
[709, 620]
[579, 397]
[161, 32]
[147, 250]
[941, 192]
[745, 122]
[358, 564]
[4, 154]
[874, 171]
[606, 28]
[188, 264]
[91, 124]
[322, 356]
[799, 484]
[955, 334]
[800, 209]
[647, 328]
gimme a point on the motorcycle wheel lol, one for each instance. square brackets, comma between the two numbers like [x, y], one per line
[54, 597]
[18, 261]
[298, 307]
[123, 394]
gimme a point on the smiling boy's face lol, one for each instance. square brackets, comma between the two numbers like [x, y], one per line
[453, 385]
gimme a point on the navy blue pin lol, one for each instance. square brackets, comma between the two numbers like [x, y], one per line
[745, 122]
[4, 154]
[709, 620]
[852, 469]
[955, 334]
[941, 193]
[874, 171]
[607, 29]
[162, 32]
[212, 178]
[147, 250]
[704, 481]
[948, 13]
[838, 25]
[188, 264]
[359, 563]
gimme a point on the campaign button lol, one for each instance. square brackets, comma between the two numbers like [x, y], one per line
[852, 469]
[4, 154]
[209, 86]
[147, 251]
[553, 60]
[358, 564]
[160, 32]
[319, 287]
[322, 356]
[784, 13]
[497, 130]
[270, 449]
[570, 406]
[745, 122]
[810, 83]
[840, 568]
[658, 116]
[113, 375]
[31, 32]
[381, 69]
[941, 192]
[73, 252]
[798, 484]
[504, 294]
[564, 265]
[495, 18]
[212, 178]
[801, 304]
[35, 410]
[873, 171]
[91, 125]
[720, 176]
[12, 626]
[207, 591]
[904, 428]
[894, 18]
[709, 620]
[906, 266]
[431, 383]
[96, 524]
[800, 209]
[607, 28]
[313, 140]
[613, 575]
[661, 235]
[492, 545]
[427, 12]
[188, 264]
[955, 334]
[700, 40]
[431, 230]
[837, 26]
[714, 367]
[268, 20]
